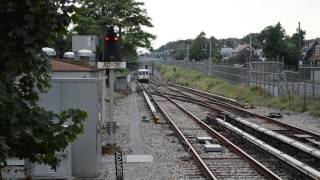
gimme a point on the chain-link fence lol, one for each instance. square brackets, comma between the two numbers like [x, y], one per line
[268, 75]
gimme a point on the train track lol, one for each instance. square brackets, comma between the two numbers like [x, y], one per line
[305, 154]
[233, 163]
[231, 105]
[298, 143]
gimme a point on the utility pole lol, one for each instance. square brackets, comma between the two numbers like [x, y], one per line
[304, 70]
[250, 48]
[112, 55]
[188, 52]
[209, 72]
[299, 46]
[205, 52]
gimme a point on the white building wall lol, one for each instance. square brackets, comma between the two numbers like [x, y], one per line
[72, 75]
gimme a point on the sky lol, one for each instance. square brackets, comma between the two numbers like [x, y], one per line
[185, 19]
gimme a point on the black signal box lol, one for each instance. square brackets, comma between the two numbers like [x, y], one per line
[111, 46]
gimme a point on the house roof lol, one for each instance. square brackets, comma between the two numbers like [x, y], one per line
[59, 66]
[240, 48]
[311, 48]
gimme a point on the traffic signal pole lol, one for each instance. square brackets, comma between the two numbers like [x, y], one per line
[112, 140]
[111, 52]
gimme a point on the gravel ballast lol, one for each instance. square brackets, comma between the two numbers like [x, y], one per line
[170, 160]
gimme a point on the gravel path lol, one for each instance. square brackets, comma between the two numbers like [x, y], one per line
[170, 160]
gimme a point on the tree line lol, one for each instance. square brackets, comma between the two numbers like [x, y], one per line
[273, 40]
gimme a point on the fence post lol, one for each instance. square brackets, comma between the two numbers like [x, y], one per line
[313, 82]
[299, 74]
[305, 90]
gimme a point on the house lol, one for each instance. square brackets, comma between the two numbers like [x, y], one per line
[245, 53]
[226, 52]
[312, 53]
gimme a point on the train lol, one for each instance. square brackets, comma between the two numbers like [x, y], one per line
[143, 75]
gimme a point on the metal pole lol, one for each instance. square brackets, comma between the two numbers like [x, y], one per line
[188, 52]
[210, 60]
[300, 57]
[305, 90]
[312, 81]
[111, 108]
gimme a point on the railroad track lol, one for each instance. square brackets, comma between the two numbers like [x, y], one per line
[305, 154]
[233, 163]
[310, 138]
[298, 143]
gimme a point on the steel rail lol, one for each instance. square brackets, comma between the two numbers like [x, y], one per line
[204, 167]
[285, 125]
[222, 98]
[307, 170]
[260, 167]
[314, 152]
[312, 173]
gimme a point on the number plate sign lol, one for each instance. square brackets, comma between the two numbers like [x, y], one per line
[111, 65]
[119, 165]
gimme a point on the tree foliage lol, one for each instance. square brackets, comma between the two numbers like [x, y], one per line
[276, 44]
[273, 41]
[95, 15]
[255, 43]
[199, 47]
[27, 130]
[295, 45]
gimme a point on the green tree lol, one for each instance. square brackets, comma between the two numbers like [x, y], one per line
[27, 130]
[61, 43]
[295, 45]
[273, 41]
[255, 43]
[95, 15]
[216, 46]
[197, 49]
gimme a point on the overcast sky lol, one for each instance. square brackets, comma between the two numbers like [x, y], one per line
[183, 19]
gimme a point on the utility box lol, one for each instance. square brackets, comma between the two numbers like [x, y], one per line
[80, 159]
[40, 171]
[88, 42]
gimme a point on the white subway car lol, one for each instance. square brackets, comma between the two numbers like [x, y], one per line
[143, 75]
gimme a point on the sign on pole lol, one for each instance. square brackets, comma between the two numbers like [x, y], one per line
[111, 65]
[119, 165]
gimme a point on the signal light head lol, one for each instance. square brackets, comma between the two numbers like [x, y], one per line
[114, 38]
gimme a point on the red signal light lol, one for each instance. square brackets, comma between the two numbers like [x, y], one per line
[114, 38]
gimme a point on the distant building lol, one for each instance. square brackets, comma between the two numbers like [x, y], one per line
[226, 52]
[311, 54]
[245, 53]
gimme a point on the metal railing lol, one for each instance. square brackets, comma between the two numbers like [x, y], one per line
[268, 75]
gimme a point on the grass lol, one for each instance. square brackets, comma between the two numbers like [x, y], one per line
[244, 93]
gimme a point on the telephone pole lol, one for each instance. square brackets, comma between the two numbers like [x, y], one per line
[188, 51]
[209, 72]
